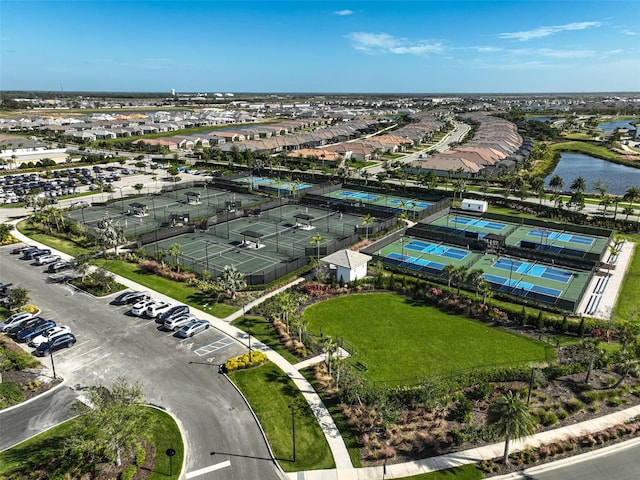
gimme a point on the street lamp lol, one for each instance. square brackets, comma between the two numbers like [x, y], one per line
[248, 324]
[53, 366]
[170, 453]
[206, 254]
[402, 250]
[533, 369]
[293, 430]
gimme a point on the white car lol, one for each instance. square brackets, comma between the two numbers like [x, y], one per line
[15, 319]
[178, 321]
[45, 259]
[49, 335]
[193, 328]
[139, 308]
[157, 308]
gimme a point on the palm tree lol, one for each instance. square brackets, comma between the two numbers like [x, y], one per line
[460, 275]
[175, 251]
[600, 187]
[578, 185]
[627, 211]
[367, 220]
[109, 233]
[606, 201]
[556, 183]
[509, 417]
[449, 271]
[231, 280]
[484, 289]
[632, 195]
[537, 186]
[475, 278]
[317, 240]
[330, 347]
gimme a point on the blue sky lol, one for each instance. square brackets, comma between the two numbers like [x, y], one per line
[321, 46]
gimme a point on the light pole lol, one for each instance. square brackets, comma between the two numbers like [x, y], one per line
[533, 369]
[402, 250]
[53, 366]
[293, 430]
[248, 324]
[206, 254]
[170, 453]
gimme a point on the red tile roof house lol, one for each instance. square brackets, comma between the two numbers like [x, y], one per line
[320, 157]
[150, 143]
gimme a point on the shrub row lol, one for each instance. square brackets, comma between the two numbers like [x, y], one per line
[247, 360]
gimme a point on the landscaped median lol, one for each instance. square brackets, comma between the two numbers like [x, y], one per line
[51, 454]
[281, 409]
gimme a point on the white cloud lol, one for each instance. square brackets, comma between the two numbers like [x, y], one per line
[385, 43]
[342, 13]
[542, 32]
[629, 32]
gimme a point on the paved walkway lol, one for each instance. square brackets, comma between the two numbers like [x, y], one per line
[344, 468]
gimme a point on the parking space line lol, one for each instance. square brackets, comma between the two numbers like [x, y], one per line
[202, 351]
[86, 353]
[85, 364]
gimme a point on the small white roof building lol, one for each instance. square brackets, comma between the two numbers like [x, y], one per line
[349, 265]
[474, 205]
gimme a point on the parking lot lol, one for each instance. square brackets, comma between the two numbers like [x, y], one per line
[180, 376]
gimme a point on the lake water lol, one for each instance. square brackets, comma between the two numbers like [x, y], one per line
[611, 126]
[617, 177]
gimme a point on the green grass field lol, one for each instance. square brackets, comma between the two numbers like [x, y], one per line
[399, 339]
[38, 452]
[270, 392]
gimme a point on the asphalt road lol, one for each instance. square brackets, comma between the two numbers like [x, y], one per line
[619, 463]
[180, 376]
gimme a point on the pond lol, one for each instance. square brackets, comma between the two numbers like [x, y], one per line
[617, 177]
[611, 126]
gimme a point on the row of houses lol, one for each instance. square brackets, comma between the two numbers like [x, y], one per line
[496, 145]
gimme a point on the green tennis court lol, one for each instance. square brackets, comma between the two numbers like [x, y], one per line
[144, 214]
[261, 243]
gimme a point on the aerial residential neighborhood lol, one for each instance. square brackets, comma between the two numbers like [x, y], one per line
[310, 240]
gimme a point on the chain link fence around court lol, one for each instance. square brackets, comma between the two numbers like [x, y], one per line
[263, 244]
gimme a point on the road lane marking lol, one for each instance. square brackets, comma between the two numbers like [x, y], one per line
[212, 468]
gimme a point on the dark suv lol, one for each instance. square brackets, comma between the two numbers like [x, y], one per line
[62, 341]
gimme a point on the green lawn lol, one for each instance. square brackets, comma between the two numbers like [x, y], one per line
[466, 472]
[180, 291]
[270, 392]
[628, 302]
[264, 331]
[38, 452]
[399, 339]
[61, 244]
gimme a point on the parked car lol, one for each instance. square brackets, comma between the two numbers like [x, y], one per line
[192, 328]
[21, 249]
[80, 204]
[63, 341]
[129, 297]
[27, 334]
[14, 319]
[59, 266]
[178, 321]
[15, 327]
[32, 254]
[49, 335]
[46, 259]
[157, 308]
[172, 312]
[140, 307]
[40, 253]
